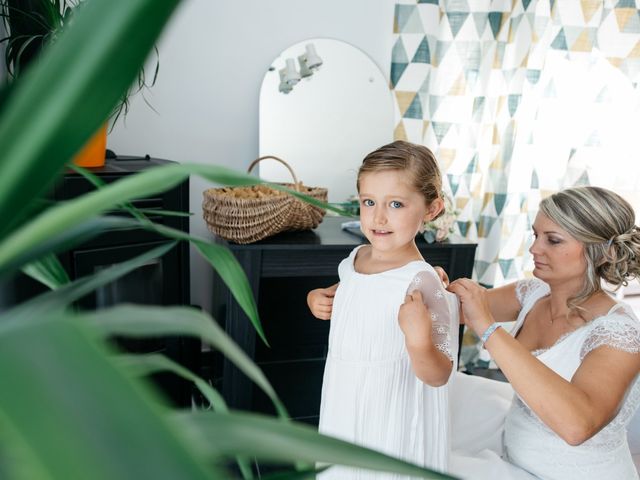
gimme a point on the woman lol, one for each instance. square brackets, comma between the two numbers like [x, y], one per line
[573, 356]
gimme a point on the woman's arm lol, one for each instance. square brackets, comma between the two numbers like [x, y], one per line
[575, 410]
[578, 409]
[503, 303]
[429, 364]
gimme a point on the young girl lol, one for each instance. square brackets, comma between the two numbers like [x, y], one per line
[390, 356]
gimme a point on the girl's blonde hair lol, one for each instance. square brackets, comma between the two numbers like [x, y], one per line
[416, 160]
[605, 224]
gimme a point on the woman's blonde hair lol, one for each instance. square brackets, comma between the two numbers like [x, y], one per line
[604, 223]
[416, 160]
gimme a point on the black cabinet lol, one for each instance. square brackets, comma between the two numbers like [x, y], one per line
[166, 282]
[281, 270]
[163, 281]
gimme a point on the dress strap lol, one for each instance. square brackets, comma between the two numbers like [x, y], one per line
[528, 292]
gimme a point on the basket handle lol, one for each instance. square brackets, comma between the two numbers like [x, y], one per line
[259, 159]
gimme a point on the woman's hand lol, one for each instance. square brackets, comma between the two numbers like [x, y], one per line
[415, 320]
[320, 301]
[474, 305]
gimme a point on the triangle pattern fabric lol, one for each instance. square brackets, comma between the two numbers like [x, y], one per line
[480, 20]
[499, 200]
[434, 103]
[414, 23]
[422, 55]
[456, 20]
[397, 69]
[560, 42]
[405, 100]
[495, 20]
[399, 53]
[402, 15]
[505, 266]
[473, 82]
[415, 108]
[440, 129]
[589, 9]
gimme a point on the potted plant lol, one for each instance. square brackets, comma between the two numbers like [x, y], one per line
[30, 26]
[71, 407]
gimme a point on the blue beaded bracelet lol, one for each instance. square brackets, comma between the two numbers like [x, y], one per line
[487, 333]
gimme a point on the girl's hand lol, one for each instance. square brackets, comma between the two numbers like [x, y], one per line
[415, 320]
[474, 306]
[320, 302]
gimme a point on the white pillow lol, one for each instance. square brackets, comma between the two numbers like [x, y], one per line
[478, 410]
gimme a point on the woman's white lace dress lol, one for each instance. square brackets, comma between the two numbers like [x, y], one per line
[529, 444]
[370, 395]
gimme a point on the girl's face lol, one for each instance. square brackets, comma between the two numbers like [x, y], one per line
[392, 211]
[557, 256]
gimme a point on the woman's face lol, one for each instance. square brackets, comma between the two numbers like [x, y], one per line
[557, 256]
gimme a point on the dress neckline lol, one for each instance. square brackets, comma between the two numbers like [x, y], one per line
[353, 264]
[539, 351]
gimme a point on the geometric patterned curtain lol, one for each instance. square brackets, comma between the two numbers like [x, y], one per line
[517, 99]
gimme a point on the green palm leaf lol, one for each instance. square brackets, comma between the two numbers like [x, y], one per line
[47, 270]
[59, 299]
[149, 364]
[145, 321]
[79, 416]
[154, 363]
[276, 441]
[65, 239]
[309, 474]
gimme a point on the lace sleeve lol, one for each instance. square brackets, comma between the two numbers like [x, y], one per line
[527, 287]
[619, 330]
[434, 296]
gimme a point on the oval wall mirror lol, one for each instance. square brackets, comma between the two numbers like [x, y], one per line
[328, 121]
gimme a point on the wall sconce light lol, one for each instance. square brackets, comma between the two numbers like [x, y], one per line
[313, 61]
[284, 87]
[305, 71]
[309, 63]
[291, 75]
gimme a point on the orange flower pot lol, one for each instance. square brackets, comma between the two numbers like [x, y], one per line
[93, 153]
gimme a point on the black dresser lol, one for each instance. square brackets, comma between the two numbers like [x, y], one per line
[164, 281]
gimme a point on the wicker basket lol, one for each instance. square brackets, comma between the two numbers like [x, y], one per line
[249, 214]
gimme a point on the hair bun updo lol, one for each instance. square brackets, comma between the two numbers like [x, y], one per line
[621, 257]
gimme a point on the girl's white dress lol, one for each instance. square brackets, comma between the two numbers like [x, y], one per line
[370, 395]
[530, 449]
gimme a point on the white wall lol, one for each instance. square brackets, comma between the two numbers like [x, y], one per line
[213, 56]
